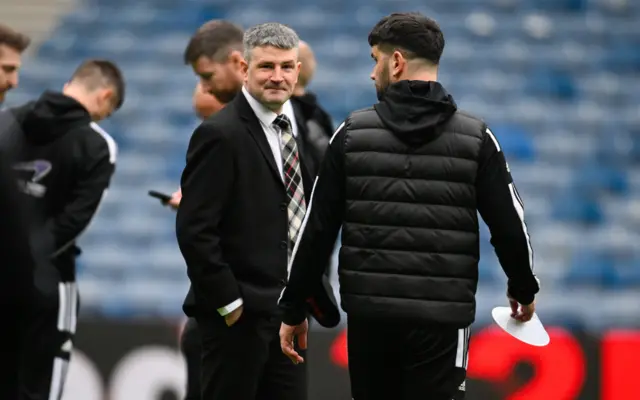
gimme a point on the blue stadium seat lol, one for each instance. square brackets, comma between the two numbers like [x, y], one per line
[623, 57]
[487, 272]
[627, 273]
[515, 142]
[553, 84]
[591, 269]
[559, 5]
[572, 207]
[595, 178]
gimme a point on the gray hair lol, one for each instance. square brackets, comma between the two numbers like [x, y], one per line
[269, 34]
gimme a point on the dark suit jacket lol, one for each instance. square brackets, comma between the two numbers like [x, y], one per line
[232, 224]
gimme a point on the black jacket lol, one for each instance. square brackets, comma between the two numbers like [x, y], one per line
[316, 127]
[405, 179]
[16, 273]
[232, 224]
[262, 294]
[16, 278]
[64, 164]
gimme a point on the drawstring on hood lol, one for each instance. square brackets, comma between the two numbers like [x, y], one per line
[412, 110]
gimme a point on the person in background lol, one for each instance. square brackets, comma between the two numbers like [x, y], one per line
[214, 52]
[405, 179]
[16, 283]
[12, 45]
[314, 122]
[64, 163]
[205, 105]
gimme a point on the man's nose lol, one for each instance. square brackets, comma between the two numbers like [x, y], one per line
[277, 75]
[13, 80]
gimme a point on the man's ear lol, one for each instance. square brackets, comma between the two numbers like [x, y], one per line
[398, 63]
[107, 95]
[298, 69]
[244, 66]
[236, 58]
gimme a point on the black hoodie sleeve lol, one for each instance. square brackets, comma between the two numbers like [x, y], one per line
[318, 233]
[91, 184]
[502, 209]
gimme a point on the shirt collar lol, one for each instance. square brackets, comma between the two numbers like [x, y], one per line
[266, 116]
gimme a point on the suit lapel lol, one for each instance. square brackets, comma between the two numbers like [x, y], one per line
[257, 133]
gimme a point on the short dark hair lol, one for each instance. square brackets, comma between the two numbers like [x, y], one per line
[95, 73]
[215, 40]
[13, 39]
[415, 35]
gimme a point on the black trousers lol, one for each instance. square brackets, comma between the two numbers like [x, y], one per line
[12, 343]
[48, 342]
[388, 361]
[245, 362]
[191, 347]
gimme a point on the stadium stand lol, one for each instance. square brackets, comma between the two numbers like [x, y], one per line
[557, 80]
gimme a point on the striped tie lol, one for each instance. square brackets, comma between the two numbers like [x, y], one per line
[292, 178]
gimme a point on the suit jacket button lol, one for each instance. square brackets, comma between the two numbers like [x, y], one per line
[283, 206]
[283, 244]
[283, 282]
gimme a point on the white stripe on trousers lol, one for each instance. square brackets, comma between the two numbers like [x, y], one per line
[67, 307]
[67, 321]
[462, 351]
[60, 369]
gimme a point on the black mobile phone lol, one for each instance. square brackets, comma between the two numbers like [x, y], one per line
[163, 197]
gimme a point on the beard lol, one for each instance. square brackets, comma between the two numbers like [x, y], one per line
[225, 96]
[382, 82]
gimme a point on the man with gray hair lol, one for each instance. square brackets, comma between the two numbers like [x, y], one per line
[245, 191]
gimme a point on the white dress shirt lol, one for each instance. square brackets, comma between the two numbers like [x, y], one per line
[273, 135]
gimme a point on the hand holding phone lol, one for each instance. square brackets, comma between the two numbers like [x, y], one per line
[172, 200]
[163, 197]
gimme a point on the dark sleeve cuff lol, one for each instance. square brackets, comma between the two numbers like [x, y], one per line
[293, 315]
[524, 294]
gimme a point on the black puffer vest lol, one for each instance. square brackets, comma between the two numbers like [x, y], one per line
[410, 241]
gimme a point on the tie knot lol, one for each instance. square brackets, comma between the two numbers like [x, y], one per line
[282, 122]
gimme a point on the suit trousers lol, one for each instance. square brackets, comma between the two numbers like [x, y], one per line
[245, 362]
[406, 361]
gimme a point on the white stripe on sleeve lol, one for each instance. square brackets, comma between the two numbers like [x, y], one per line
[300, 233]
